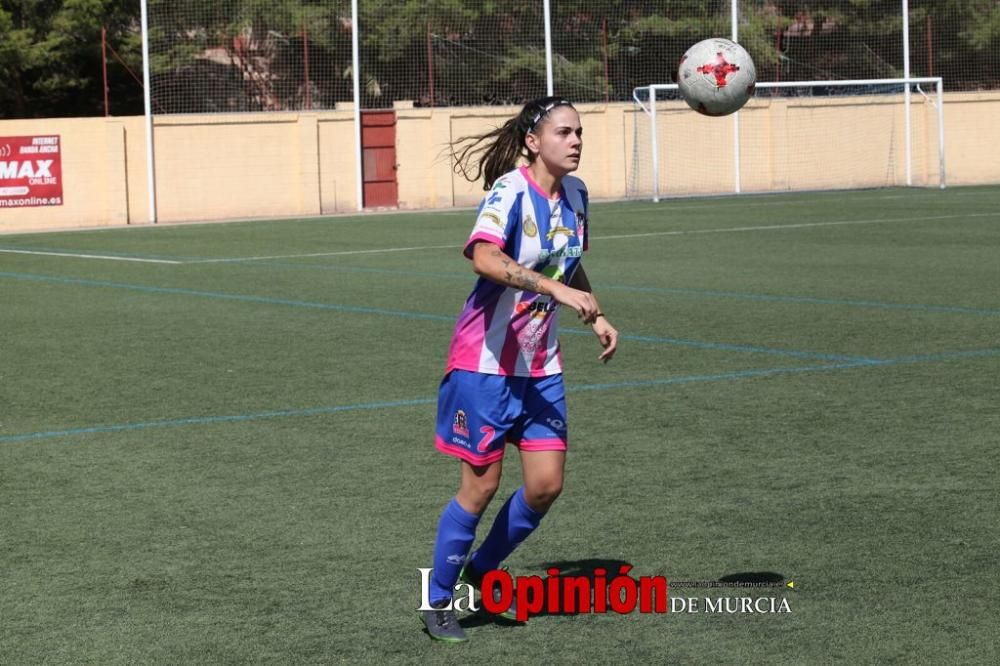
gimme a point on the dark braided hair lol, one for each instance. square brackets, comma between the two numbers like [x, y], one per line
[493, 154]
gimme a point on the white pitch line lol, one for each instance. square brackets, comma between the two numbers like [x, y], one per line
[708, 205]
[682, 232]
[325, 254]
[802, 225]
[92, 256]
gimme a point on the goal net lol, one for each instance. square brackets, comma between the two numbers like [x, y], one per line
[791, 136]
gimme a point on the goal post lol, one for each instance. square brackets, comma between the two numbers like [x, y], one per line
[791, 136]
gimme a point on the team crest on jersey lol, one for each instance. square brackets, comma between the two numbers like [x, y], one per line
[530, 228]
[460, 426]
[581, 223]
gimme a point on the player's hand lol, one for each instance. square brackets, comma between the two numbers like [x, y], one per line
[607, 335]
[582, 302]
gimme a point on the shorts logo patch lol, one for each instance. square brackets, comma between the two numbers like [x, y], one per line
[460, 425]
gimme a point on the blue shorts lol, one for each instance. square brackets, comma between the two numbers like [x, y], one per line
[478, 413]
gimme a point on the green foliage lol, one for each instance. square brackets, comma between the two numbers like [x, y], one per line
[250, 54]
[50, 55]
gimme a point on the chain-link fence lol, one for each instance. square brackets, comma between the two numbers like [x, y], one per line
[268, 55]
[249, 55]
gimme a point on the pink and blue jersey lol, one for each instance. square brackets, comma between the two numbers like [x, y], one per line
[507, 331]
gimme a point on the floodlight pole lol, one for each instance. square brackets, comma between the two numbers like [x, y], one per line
[735, 19]
[548, 49]
[940, 111]
[908, 121]
[654, 144]
[148, 113]
[355, 70]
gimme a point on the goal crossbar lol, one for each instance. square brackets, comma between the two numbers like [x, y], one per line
[938, 84]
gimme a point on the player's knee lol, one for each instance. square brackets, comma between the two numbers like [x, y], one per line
[542, 493]
[479, 492]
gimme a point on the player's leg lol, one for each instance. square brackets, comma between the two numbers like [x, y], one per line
[524, 510]
[543, 472]
[542, 441]
[457, 527]
[455, 533]
[467, 423]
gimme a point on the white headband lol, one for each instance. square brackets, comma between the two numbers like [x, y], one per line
[541, 114]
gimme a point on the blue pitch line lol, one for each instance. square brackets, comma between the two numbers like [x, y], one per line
[224, 296]
[809, 300]
[717, 346]
[414, 315]
[210, 420]
[914, 307]
[319, 411]
[950, 309]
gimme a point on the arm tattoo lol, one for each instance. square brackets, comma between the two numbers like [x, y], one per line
[526, 280]
[520, 278]
[503, 258]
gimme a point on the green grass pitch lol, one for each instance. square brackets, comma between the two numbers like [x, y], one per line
[216, 440]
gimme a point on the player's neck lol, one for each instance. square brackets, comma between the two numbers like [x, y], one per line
[547, 182]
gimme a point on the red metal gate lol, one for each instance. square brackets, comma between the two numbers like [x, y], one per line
[378, 150]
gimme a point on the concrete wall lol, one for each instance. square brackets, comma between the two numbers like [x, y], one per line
[299, 164]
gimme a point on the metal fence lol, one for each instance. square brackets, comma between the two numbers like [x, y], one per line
[272, 55]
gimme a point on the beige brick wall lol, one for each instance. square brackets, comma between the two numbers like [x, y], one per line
[300, 164]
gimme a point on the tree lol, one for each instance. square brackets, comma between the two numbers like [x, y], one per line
[50, 55]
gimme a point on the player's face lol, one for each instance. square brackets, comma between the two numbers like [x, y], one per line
[558, 140]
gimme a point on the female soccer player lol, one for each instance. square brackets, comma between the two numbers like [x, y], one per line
[503, 382]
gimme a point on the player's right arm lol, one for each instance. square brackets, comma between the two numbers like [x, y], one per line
[492, 263]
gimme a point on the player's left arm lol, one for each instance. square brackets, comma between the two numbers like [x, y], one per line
[606, 334]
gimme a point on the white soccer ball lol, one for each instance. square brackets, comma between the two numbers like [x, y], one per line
[716, 77]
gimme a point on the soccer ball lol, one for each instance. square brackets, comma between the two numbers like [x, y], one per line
[716, 77]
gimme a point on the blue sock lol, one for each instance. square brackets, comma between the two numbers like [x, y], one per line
[456, 532]
[513, 524]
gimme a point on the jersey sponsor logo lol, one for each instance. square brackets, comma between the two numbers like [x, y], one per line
[530, 228]
[495, 219]
[538, 307]
[460, 424]
[559, 230]
[530, 337]
[494, 197]
[570, 251]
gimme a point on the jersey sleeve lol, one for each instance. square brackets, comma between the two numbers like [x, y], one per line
[498, 216]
